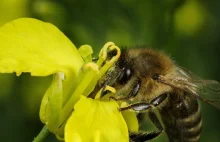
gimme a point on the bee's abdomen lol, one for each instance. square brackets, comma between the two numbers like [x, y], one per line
[182, 119]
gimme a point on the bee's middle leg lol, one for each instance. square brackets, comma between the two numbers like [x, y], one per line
[144, 136]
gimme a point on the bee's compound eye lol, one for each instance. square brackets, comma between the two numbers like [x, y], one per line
[124, 76]
[155, 76]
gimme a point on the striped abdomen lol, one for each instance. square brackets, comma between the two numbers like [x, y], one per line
[182, 118]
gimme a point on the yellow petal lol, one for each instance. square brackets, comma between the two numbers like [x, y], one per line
[96, 121]
[51, 104]
[30, 45]
[130, 118]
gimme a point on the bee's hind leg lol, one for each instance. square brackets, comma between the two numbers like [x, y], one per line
[145, 136]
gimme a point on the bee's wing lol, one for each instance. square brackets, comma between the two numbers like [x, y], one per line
[208, 91]
[205, 90]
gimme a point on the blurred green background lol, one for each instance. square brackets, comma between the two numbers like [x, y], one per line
[188, 30]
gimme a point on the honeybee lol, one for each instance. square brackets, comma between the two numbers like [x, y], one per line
[149, 80]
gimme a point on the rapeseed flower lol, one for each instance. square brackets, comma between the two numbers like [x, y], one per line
[41, 49]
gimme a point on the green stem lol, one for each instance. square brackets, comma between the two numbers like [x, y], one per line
[42, 135]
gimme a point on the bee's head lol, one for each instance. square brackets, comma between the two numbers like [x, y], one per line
[137, 65]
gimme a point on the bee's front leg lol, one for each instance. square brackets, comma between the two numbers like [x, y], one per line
[133, 93]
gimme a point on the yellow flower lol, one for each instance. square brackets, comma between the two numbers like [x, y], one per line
[30, 45]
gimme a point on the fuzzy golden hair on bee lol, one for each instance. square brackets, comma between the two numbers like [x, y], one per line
[147, 60]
